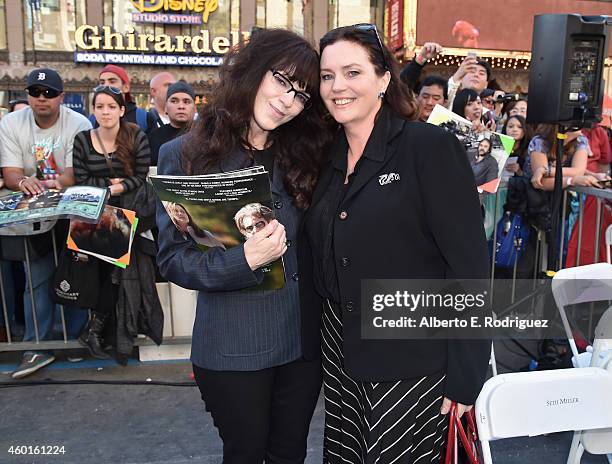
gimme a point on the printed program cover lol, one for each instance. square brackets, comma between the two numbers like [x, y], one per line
[222, 210]
[82, 202]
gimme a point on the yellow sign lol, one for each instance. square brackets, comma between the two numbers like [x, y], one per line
[206, 7]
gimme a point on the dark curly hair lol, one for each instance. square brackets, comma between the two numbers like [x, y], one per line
[398, 96]
[299, 145]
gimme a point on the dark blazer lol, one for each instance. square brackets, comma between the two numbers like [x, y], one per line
[427, 225]
[237, 329]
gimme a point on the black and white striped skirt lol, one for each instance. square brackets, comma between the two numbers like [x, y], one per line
[378, 423]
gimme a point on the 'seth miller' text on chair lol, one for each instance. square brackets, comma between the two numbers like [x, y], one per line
[534, 403]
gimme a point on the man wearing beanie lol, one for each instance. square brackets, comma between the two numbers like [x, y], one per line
[115, 76]
[180, 108]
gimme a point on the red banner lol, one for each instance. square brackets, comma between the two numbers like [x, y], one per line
[395, 24]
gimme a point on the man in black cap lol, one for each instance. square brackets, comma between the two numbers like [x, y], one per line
[180, 108]
[36, 154]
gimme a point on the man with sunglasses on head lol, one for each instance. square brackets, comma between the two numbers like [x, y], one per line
[117, 78]
[36, 154]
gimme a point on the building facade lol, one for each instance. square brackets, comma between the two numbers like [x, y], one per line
[190, 37]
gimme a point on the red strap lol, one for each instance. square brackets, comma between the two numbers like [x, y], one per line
[469, 439]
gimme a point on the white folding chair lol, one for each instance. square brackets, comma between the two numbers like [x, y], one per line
[596, 441]
[534, 403]
[582, 284]
[579, 285]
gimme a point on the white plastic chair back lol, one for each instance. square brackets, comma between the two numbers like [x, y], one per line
[600, 441]
[535, 403]
[602, 343]
[581, 284]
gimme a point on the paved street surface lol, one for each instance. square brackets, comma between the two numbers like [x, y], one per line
[147, 424]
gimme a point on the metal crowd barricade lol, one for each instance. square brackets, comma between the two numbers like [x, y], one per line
[165, 292]
[11, 345]
[600, 196]
[540, 263]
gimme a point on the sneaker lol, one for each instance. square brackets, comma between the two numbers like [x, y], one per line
[31, 362]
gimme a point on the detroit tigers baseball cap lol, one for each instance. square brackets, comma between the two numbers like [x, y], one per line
[45, 77]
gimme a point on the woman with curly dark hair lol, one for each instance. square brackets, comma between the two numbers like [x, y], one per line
[255, 353]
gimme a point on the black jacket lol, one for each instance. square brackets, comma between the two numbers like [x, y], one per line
[411, 75]
[426, 225]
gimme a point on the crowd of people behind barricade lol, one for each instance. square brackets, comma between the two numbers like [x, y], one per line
[473, 93]
[44, 145]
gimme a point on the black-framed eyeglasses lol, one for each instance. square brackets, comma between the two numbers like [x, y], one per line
[112, 89]
[366, 27]
[44, 91]
[283, 82]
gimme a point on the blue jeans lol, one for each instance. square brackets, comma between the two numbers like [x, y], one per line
[42, 271]
[8, 284]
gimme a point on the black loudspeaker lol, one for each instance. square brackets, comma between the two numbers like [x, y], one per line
[566, 72]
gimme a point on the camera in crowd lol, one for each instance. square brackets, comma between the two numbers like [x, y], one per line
[508, 97]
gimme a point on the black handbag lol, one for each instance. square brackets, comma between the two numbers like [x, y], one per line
[528, 201]
[76, 280]
[143, 201]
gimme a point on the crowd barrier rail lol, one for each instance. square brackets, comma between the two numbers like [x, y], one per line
[179, 304]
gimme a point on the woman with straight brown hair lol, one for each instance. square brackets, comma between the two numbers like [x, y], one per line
[114, 155]
[397, 200]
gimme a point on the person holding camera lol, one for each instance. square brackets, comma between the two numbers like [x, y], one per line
[473, 73]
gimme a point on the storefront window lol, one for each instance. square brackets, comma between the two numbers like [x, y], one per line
[50, 24]
[347, 12]
[286, 14]
[2, 25]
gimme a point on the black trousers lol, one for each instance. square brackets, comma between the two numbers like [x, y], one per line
[109, 292]
[262, 415]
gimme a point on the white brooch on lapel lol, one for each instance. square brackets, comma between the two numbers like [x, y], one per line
[385, 179]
